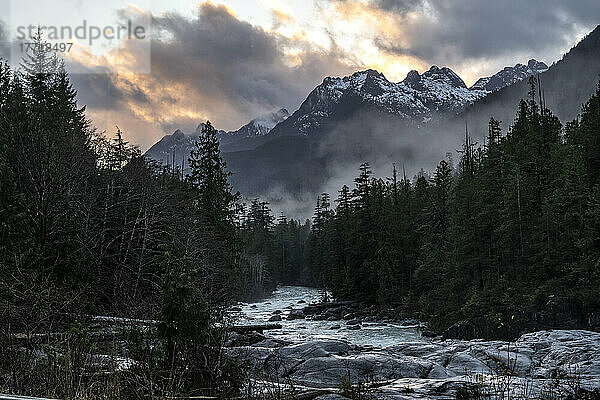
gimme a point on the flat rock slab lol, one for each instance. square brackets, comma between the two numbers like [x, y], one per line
[436, 370]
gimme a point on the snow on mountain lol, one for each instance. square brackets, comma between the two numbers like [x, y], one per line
[179, 144]
[261, 125]
[418, 98]
[510, 75]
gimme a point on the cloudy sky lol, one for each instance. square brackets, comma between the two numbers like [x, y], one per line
[232, 60]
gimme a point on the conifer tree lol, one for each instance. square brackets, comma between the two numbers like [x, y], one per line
[208, 173]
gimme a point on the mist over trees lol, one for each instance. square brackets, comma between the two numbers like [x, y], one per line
[508, 236]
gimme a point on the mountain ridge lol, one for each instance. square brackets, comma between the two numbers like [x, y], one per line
[510, 75]
[179, 144]
[364, 117]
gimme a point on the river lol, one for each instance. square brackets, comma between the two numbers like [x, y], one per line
[286, 298]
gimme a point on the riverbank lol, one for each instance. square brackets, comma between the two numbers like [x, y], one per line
[333, 350]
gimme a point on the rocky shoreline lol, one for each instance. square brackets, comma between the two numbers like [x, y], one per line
[565, 362]
[553, 364]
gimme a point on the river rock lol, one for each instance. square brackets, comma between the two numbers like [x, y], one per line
[271, 343]
[378, 366]
[295, 314]
[335, 327]
[275, 318]
[427, 333]
[353, 322]
[322, 348]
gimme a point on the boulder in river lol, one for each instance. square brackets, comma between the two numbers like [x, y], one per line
[349, 316]
[275, 318]
[295, 314]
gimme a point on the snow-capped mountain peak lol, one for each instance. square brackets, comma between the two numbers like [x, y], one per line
[416, 99]
[257, 127]
[262, 125]
[510, 75]
[445, 75]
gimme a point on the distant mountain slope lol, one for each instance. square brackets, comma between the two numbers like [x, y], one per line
[567, 84]
[180, 144]
[510, 75]
[175, 148]
[262, 125]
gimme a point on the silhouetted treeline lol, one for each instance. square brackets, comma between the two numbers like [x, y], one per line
[510, 234]
[88, 227]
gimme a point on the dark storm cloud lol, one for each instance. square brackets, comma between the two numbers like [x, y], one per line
[239, 65]
[453, 30]
[96, 89]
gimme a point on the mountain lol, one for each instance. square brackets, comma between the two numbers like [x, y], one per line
[566, 86]
[175, 148]
[179, 144]
[417, 99]
[348, 120]
[365, 117]
[509, 76]
[342, 122]
[262, 125]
